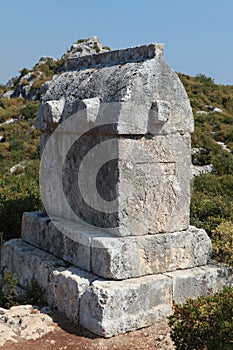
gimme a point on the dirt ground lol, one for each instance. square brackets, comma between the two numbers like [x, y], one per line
[69, 337]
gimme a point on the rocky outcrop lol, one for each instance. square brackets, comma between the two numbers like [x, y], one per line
[23, 322]
[26, 86]
[84, 47]
[32, 84]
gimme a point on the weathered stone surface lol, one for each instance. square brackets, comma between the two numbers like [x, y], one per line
[71, 242]
[116, 57]
[139, 256]
[205, 280]
[66, 288]
[141, 172]
[108, 308]
[63, 286]
[84, 47]
[23, 322]
[154, 185]
[138, 74]
[130, 107]
[27, 262]
[51, 112]
[113, 257]
[115, 183]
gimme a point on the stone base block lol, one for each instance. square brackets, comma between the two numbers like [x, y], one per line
[66, 288]
[108, 307]
[63, 284]
[104, 307]
[114, 257]
[71, 243]
[27, 262]
[198, 281]
[114, 307]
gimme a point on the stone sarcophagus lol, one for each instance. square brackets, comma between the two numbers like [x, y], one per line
[115, 183]
[127, 169]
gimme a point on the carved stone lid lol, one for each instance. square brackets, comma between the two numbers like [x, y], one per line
[136, 83]
[111, 58]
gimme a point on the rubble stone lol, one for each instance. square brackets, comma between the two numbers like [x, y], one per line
[25, 322]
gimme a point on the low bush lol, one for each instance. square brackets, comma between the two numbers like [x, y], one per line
[9, 295]
[30, 110]
[205, 323]
[211, 201]
[222, 238]
[11, 108]
[18, 193]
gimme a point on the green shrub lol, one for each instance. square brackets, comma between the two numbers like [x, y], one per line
[207, 213]
[38, 83]
[10, 107]
[81, 41]
[4, 88]
[33, 293]
[211, 201]
[8, 293]
[213, 185]
[17, 195]
[223, 163]
[19, 192]
[205, 323]
[22, 72]
[17, 145]
[30, 110]
[9, 296]
[202, 78]
[222, 238]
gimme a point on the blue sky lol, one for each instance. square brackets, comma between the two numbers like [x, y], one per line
[198, 34]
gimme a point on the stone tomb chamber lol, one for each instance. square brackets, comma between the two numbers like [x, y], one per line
[114, 248]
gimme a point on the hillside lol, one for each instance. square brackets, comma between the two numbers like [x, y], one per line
[212, 142]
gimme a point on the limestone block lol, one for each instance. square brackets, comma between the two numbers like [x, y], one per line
[50, 115]
[66, 288]
[198, 281]
[154, 185]
[118, 258]
[26, 262]
[115, 257]
[37, 229]
[114, 57]
[137, 116]
[121, 258]
[141, 186]
[63, 285]
[108, 307]
[138, 75]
